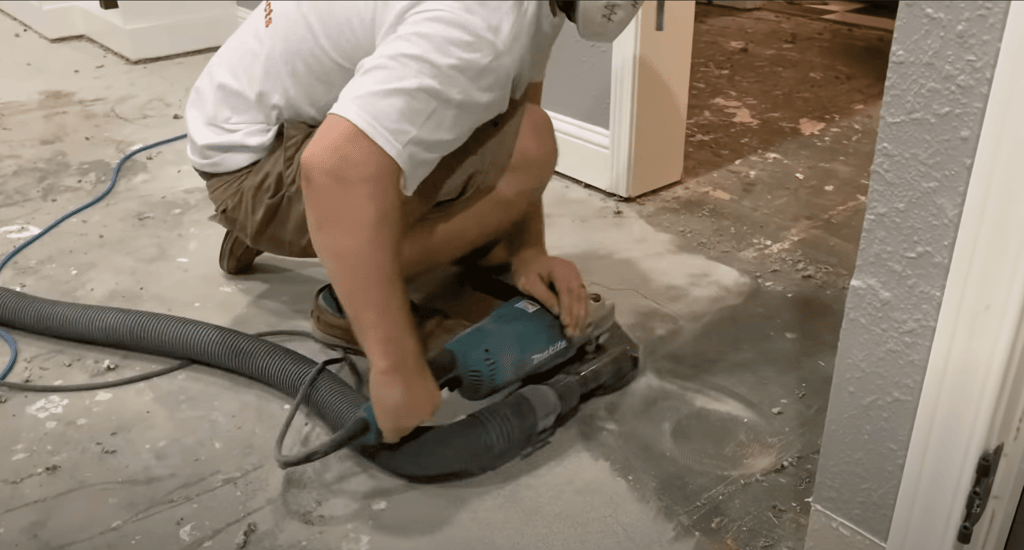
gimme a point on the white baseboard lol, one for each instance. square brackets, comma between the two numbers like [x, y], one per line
[50, 20]
[584, 151]
[135, 30]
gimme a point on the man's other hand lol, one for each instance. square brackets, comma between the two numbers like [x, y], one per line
[556, 283]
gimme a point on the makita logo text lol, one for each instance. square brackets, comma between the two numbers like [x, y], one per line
[537, 358]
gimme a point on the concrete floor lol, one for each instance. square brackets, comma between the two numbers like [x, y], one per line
[691, 456]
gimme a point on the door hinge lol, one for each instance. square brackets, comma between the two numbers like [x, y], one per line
[977, 499]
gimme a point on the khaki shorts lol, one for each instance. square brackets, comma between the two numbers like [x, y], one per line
[263, 205]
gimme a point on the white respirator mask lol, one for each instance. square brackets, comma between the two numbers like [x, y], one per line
[604, 21]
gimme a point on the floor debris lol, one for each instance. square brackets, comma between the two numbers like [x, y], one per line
[186, 533]
[804, 481]
[788, 463]
[52, 468]
[243, 537]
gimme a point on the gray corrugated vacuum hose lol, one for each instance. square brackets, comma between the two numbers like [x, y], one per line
[476, 444]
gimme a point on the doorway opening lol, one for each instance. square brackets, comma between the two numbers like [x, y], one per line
[783, 111]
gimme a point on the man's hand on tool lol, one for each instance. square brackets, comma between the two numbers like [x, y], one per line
[556, 283]
[353, 203]
[403, 397]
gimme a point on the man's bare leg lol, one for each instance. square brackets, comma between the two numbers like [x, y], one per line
[507, 222]
[510, 221]
[510, 215]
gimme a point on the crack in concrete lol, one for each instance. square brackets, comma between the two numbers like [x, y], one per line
[41, 471]
[721, 493]
[178, 501]
[642, 295]
[802, 229]
[706, 499]
[117, 115]
[131, 482]
[164, 506]
[200, 542]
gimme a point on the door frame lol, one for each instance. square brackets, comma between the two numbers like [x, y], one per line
[650, 83]
[973, 393]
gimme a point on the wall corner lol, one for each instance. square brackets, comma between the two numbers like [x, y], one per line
[827, 532]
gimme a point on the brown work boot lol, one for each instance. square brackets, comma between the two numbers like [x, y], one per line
[331, 327]
[236, 256]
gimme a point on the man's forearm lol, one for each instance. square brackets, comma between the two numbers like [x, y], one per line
[355, 229]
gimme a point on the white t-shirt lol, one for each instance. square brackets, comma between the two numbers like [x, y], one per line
[417, 77]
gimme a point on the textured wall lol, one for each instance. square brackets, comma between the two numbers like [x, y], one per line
[941, 64]
[578, 82]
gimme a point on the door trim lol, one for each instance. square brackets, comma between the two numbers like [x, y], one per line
[972, 399]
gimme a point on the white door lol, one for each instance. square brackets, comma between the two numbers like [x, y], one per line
[643, 147]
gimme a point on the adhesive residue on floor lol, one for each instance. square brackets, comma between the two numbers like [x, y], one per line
[742, 113]
[808, 126]
[47, 406]
[19, 231]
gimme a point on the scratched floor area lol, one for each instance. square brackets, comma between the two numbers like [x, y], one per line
[713, 447]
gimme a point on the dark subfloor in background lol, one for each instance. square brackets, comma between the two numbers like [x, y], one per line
[783, 115]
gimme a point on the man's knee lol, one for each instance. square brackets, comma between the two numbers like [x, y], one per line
[536, 153]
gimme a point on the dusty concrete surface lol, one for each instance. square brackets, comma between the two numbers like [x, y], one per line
[691, 456]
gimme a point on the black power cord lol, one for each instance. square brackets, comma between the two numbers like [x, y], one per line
[332, 445]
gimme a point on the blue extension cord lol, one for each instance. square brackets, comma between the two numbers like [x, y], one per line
[324, 448]
[10, 256]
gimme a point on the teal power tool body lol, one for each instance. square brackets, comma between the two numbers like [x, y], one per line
[520, 345]
[518, 339]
